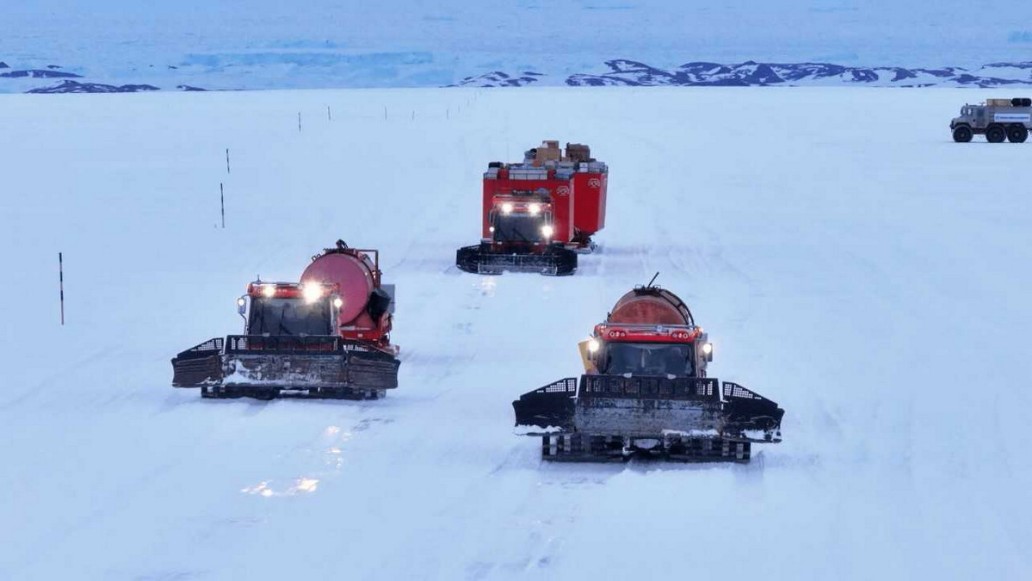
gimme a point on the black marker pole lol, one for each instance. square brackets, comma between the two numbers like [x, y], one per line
[60, 270]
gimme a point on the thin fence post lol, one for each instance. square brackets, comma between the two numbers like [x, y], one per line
[299, 122]
[60, 269]
[329, 114]
[222, 204]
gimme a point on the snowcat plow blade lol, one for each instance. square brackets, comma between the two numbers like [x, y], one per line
[200, 365]
[605, 417]
[615, 405]
[269, 367]
[547, 410]
[751, 416]
[480, 259]
[648, 406]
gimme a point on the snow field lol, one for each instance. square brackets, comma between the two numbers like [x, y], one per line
[849, 261]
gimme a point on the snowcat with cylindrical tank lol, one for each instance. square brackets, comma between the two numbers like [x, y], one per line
[645, 392]
[327, 336]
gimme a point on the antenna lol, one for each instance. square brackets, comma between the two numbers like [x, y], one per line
[653, 280]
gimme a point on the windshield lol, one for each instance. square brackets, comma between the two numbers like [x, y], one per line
[293, 316]
[518, 227]
[648, 359]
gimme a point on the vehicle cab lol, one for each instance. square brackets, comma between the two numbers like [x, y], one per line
[522, 217]
[973, 115]
[290, 309]
[673, 351]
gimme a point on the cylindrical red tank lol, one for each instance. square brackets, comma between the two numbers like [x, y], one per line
[651, 306]
[353, 271]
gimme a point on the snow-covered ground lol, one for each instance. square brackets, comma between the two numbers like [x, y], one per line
[260, 44]
[848, 259]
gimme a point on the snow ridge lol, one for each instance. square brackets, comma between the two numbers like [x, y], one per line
[616, 72]
[77, 87]
[625, 72]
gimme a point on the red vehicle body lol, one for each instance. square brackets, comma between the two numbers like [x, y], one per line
[540, 211]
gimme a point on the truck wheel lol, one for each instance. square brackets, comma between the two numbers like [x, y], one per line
[995, 134]
[1017, 134]
[962, 134]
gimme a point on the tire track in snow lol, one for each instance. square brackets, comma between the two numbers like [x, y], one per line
[39, 388]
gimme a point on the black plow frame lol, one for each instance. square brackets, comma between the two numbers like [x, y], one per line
[267, 367]
[602, 417]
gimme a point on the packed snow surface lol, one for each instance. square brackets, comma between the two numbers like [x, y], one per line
[849, 261]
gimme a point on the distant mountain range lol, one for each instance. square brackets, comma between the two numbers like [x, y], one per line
[623, 72]
[618, 72]
[77, 87]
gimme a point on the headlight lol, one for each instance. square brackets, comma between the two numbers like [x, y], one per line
[491, 229]
[507, 208]
[241, 302]
[593, 345]
[547, 231]
[338, 302]
[535, 209]
[268, 291]
[312, 292]
[707, 348]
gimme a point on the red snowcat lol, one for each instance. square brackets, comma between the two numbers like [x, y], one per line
[540, 213]
[325, 337]
[645, 392]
